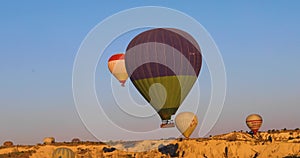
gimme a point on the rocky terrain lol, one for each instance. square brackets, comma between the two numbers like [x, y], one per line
[273, 143]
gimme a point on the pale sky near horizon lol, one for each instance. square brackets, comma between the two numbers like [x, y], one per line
[259, 43]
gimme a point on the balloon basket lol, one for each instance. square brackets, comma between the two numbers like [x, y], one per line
[167, 124]
[122, 83]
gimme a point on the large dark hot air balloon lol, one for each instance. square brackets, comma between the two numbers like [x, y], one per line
[163, 64]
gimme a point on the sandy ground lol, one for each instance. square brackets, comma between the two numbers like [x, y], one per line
[231, 145]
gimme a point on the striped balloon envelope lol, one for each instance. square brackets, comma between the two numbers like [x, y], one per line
[63, 153]
[116, 66]
[186, 122]
[163, 64]
[254, 122]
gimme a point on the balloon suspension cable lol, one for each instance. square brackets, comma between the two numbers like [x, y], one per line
[186, 138]
[255, 131]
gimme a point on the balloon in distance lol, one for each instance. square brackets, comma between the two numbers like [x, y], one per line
[254, 122]
[116, 66]
[63, 153]
[186, 122]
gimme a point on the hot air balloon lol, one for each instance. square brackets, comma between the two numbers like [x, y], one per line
[163, 64]
[186, 122]
[254, 122]
[116, 66]
[8, 143]
[75, 140]
[63, 153]
[49, 140]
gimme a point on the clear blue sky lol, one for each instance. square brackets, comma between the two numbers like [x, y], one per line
[259, 43]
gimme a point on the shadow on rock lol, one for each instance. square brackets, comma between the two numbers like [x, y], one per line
[170, 149]
[105, 149]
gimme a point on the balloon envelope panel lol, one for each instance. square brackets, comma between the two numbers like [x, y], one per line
[165, 104]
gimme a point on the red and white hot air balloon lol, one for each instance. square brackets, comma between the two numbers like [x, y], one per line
[116, 65]
[254, 122]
